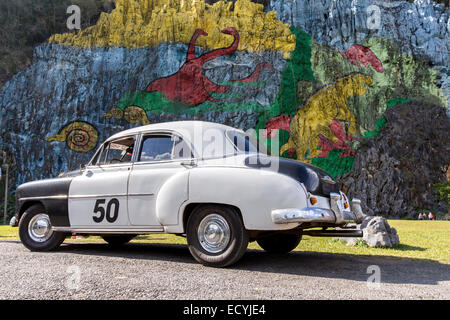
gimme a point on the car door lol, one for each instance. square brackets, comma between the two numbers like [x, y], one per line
[98, 198]
[161, 156]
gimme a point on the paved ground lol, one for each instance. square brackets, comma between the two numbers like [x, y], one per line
[158, 271]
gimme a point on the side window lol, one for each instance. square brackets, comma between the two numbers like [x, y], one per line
[118, 151]
[156, 148]
[163, 147]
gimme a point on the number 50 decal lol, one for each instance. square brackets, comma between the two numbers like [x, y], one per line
[101, 210]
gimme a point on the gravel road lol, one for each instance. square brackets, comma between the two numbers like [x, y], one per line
[162, 271]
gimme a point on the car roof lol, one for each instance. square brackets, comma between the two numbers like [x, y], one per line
[176, 126]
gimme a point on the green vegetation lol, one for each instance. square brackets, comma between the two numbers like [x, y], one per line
[428, 240]
[444, 192]
[10, 209]
[27, 23]
[11, 197]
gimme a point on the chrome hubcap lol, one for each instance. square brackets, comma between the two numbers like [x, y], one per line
[40, 228]
[214, 233]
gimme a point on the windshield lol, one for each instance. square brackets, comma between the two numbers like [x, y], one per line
[245, 142]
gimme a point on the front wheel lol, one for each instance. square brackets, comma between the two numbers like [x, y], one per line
[35, 230]
[216, 236]
[279, 243]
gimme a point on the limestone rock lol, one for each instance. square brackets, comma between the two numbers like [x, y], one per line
[394, 172]
[378, 233]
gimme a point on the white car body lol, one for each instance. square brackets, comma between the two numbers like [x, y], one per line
[156, 193]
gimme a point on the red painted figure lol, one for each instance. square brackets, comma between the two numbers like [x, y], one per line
[189, 85]
[357, 54]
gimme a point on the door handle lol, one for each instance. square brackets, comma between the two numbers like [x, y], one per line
[189, 163]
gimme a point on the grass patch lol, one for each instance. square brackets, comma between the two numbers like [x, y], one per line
[428, 240]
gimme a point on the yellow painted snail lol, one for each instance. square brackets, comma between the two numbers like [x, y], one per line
[132, 114]
[79, 136]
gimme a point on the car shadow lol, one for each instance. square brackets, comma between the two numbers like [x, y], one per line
[394, 270]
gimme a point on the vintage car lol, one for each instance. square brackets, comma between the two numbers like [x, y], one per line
[211, 183]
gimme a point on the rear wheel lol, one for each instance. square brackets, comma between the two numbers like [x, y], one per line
[216, 236]
[279, 243]
[35, 230]
[118, 240]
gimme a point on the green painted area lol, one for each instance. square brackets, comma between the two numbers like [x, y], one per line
[243, 84]
[334, 164]
[298, 68]
[156, 103]
[396, 101]
[380, 123]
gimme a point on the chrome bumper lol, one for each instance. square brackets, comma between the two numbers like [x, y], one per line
[336, 214]
[302, 215]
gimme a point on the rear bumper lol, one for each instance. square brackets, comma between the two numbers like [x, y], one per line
[336, 214]
[308, 214]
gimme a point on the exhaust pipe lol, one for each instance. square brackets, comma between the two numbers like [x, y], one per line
[334, 233]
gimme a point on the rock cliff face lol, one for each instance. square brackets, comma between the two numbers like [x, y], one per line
[331, 65]
[393, 173]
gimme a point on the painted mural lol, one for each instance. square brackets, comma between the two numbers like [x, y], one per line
[234, 63]
[132, 114]
[322, 128]
[189, 85]
[79, 136]
[358, 55]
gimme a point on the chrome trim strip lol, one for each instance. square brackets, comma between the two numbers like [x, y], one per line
[109, 230]
[44, 198]
[308, 214]
[110, 195]
[96, 196]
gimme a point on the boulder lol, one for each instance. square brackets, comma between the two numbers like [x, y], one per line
[395, 171]
[376, 233]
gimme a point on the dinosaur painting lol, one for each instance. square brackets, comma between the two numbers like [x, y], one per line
[326, 145]
[280, 122]
[318, 123]
[189, 85]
